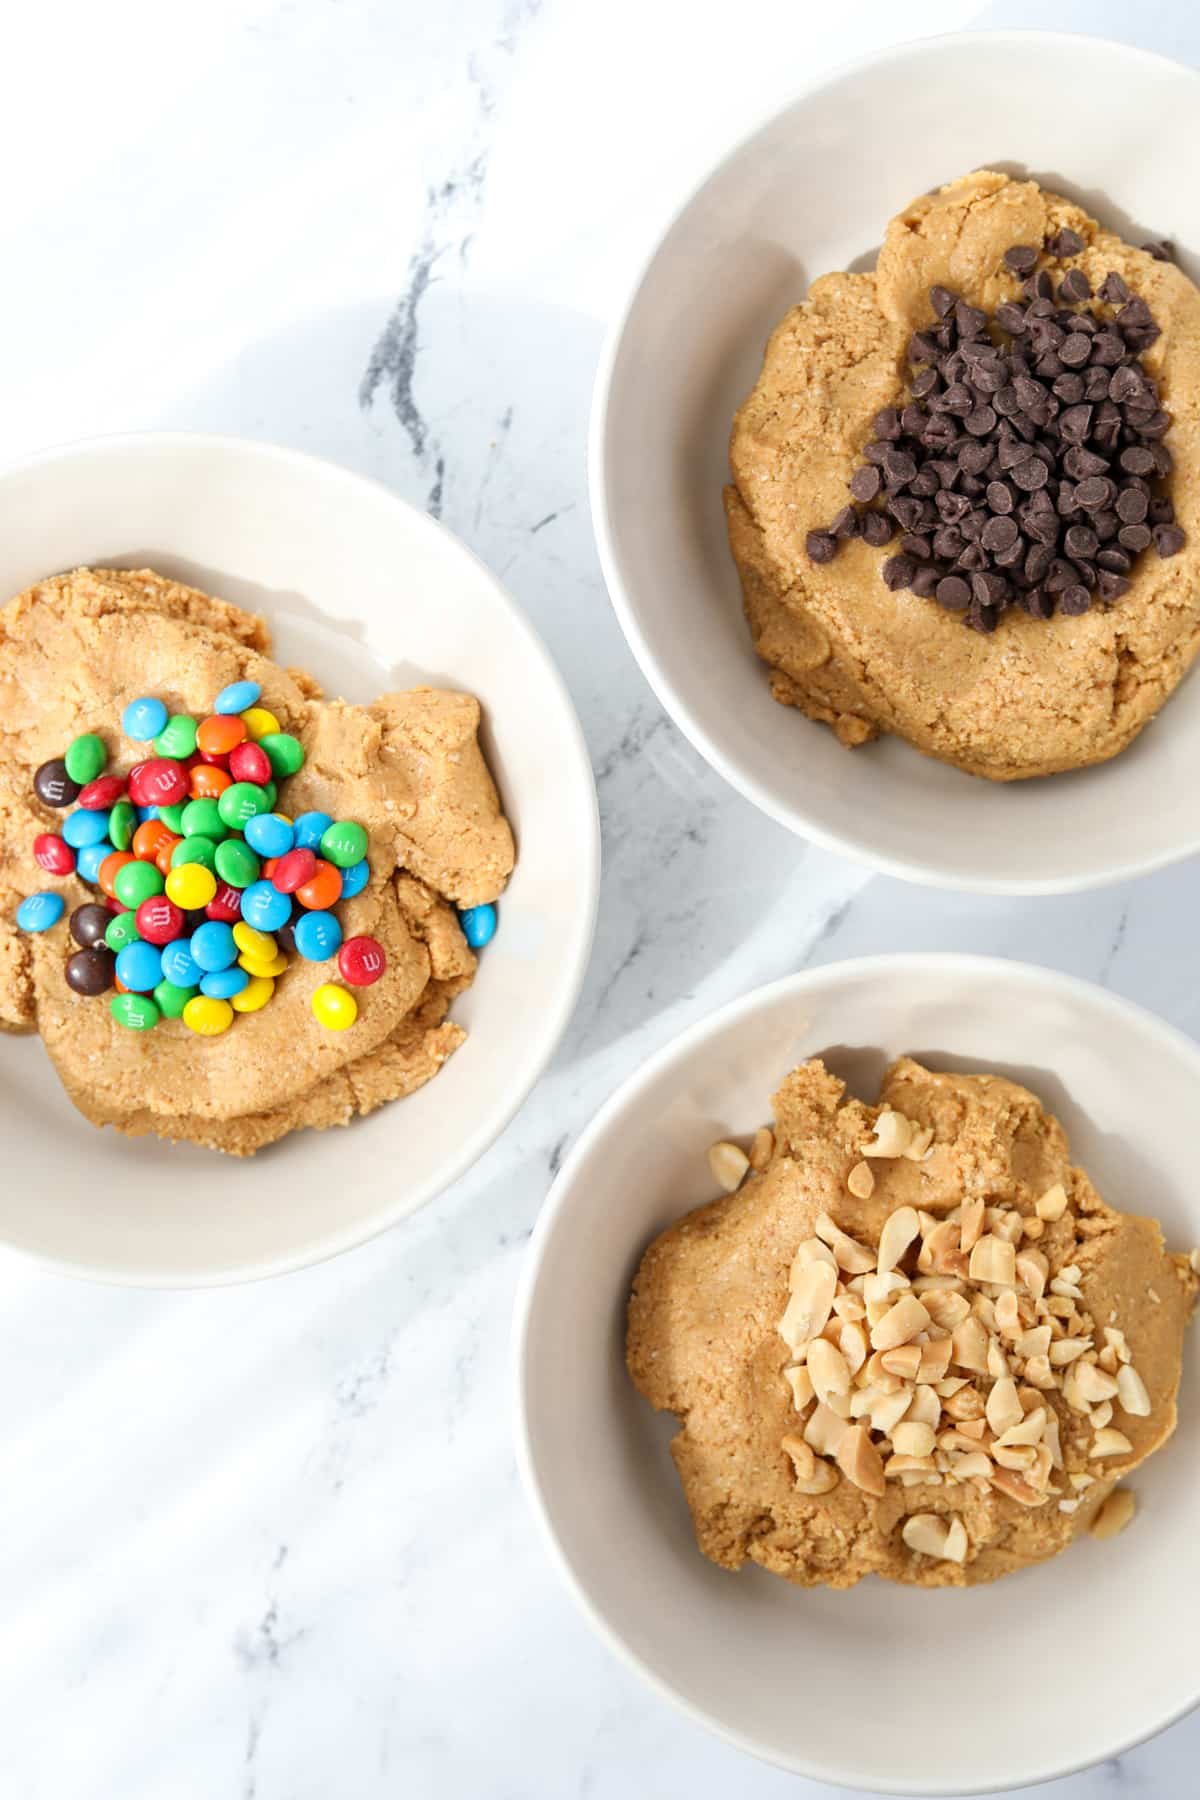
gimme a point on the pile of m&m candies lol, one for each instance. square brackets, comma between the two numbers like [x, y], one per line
[207, 889]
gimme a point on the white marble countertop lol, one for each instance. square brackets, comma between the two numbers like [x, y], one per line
[268, 1544]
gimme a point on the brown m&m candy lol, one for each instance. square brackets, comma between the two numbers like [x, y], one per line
[88, 924]
[91, 972]
[53, 786]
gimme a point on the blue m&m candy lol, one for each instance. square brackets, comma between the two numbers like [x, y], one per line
[264, 907]
[479, 925]
[355, 879]
[223, 984]
[237, 697]
[139, 967]
[269, 834]
[318, 935]
[87, 863]
[82, 828]
[179, 966]
[143, 719]
[310, 828]
[213, 947]
[146, 812]
[38, 912]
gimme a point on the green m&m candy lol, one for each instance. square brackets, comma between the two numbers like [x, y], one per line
[344, 843]
[137, 1012]
[86, 758]
[237, 863]
[122, 823]
[135, 882]
[171, 1000]
[272, 793]
[284, 753]
[202, 818]
[242, 801]
[121, 930]
[177, 739]
[172, 817]
[195, 849]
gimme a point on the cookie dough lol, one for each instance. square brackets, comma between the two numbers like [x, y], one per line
[713, 1332]
[1036, 697]
[73, 651]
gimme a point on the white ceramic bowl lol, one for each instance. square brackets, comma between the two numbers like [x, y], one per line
[371, 595]
[879, 1688]
[811, 190]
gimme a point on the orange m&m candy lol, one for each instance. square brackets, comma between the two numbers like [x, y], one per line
[324, 890]
[207, 782]
[110, 868]
[162, 856]
[218, 735]
[149, 839]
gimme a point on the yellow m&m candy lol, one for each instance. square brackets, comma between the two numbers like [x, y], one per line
[268, 968]
[208, 1017]
[333, 1006]
[256, 944]
[191, 885]
[259, 723]
[254, 995]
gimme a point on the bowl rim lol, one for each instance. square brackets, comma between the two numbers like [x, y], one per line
[483, 1133]
[792, 816]
[896, 966]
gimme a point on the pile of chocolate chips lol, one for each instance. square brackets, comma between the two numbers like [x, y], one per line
[1021, 471]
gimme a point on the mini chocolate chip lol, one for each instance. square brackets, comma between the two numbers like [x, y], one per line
[1093, 493]
[898, 468]
[1074, 424]
[875, 452]
[925, 581]
[1132, 506]
[1075, 350]
[1060, 575]
[916, 546]
[1031, 474]
[1038, 604]
[1162, 512]
[1164, 462]
[845, 524]
[88, 923]
[1158, 423]
[924, 483]
[1021, 259]
[1039, 287]
[999, 533]
[1117, 562]
[821, 546]
[922, 347]
[1113, 289]
[1105, 524]
[981, 618]
[1011, 318]
[971, 321]
[876, 529]
[1135, 313]
[1168, 540]
[90, 972]
[1137, 460]
[1075, 601]
[913, 420]
[1075, 286]
[1125, 384]
[988, 588]
[1065, 243]
[1112, 585]
[1140, 337]
[974, 458]
[1038, 560]
[1095, 384]
[924, 383]
[953, 593]
[1135, 538]
[945, 471]
[1161, 249]
[1000, 497]
[1108, 350]
[973, 557]
[865, 483]
[906, 511]
[53, 786]
[1049, 366]
[951, 507]
[887, 423]
[1081, 542]
[1012, 555]
[948, 542]
[942, 301]
[981, 421]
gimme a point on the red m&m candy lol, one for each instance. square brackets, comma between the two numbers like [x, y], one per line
[52, 853]
[162, 782]
[102, 793]
[292, 870]
[225, 905]
[362, 961]
[248, 763]
[159, 920]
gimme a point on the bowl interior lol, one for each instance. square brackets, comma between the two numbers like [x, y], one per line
[369, 595]
[812, 191]
[860, 1688]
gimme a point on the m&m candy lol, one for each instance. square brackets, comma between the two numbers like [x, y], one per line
[121, 930]
[226, 904]
[38, 912]
[207, 1017]
[158, 920]
[213, 947]
[136, 881]
[110, 868]
[269, 834]
[242, 801]
[344, 843]
[122, 824]
[310, 828]
[249, 762]
[318, 936]
[223, 984]
[171, 999]
[179, 966]
[259, 722]
[478, 925]
[237, 863]
[136, 1012]
[54, 854]
[177, 739]
[253, 943]
[88, 923]
[264, 907]
[334, 1007]
[323, 889]
[88, 861]
[237, 697]
[284, 752]
[355, 879]
[293, 869]
[143, 719]
[139, 967]
[270, 969]
[86, 758]
[361, 960]
[191, 884]
[149, 839]
[196, 849]
[102, 793]
[80, 828]
[53, 786]
[218, 735]
[202, 818]
[160, 782]
[90, 972]
[207, 782]
[254, 996]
